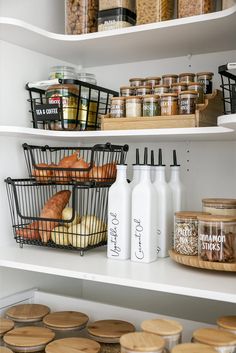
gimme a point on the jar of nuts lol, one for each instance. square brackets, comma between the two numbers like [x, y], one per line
[150, 11]
[188, 8]
[81, 16]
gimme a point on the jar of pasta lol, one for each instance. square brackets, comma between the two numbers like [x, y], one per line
[169, 104]
[169, 79]
[117, 107]
[193, 348]
[160, 89]
[206, 79]
[133, 106]
[187, 102]
[151, 105]
[5, 326]
[198, 87]
[142, 342]
[186, 77]
[27, 314]
[227, 323]
[222, 341]
[73, 344]
[126, 91]
[219, 206]
[154, 11]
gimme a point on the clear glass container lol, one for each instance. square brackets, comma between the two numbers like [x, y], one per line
[142, 342]
[27, 314]
[188, 8]
[5, 326]
[222, 341]
[193, 348]
[115, 19]
[81, 16]
[160, 89]
[117, 107]
[186, 77]
[178, 87]
[227, 323]
[206, 79]
[64, 72]
[151, 106]
[87, 77]
[198, 87]
[224, 207]
[169, 79]
[133, 106]
[136, 81]
[169, 104]
[217, 238]
[187, 102]
[143, 90]
[152, 81]
[126, 91]
[186, 232]
[154, 11]
[113, 4]
[73, 344]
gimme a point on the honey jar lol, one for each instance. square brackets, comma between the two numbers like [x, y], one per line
[27, 314]
[5, 326]
[227, 323]
[73, 344]
[142, 342]
[222, 341]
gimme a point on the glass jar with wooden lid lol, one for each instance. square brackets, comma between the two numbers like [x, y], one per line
[127, 91]
[27, 314]
[133, 106]
[222, 341]
[73, 344]
[169, 330]
[5, 350]
[186, 77]
[117, 107]
[28, 339]
[143, 90]
[152, 81]
[66, 323]
[169, 104]
[142, 342]
[206, 79]
[219, 206]
[160, 89]
[169, 79]
[108, 333]
[151, 106]
[227, 323]
[193, 348]
[187, 102]
[198, 87]
[178, 87]
[5, 326]
[136, 81]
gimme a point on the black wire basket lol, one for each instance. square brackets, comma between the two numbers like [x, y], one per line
[228, 85]
[74, 164]
[76, 106]
[72, 217]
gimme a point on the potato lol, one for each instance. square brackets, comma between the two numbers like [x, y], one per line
[95, 225]
[59, 236]
[67, 214]
[79, 235]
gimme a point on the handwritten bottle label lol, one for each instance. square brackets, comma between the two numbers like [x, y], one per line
[138, 234]
[114, 235]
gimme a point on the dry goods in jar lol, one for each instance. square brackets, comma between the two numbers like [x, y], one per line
[169, 104]
[219, 206]
[150, 11]
[133, 106]
[227, 323]
[127, 91]
[151, 106]
[178, 87]
[186, 77]
[117, 107]
[136, 81]
[205, 78]
[187, 102]
[188, 8]
[160, 89]
[113, 4]
[198, 87]
[169, 79]
[143, 90]
[222, 341]
[152, 81]
[115, 19]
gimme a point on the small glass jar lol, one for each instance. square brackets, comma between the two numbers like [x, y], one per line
[178, 87]
[227, 323]
[87, 77]
[188, 8]
[198, 87]
[217, 238]
[27, 314]
[151, 106]
[73, 344]
[169, 79]
[143, 90]
[133, 106]
[169, 104]
[142, 342]
[160, 89]
[222, 341]
[117, 107]
[66, 323]
[126, 91]
[224, 207]
[186, 232]
[5, 326]
[206, 79]
[136, 81]
[169, 330]
[154, 11]
[193, 348]
[152, 81]
[186, 77]
[187, 102]
[28, 339]
[64, 72]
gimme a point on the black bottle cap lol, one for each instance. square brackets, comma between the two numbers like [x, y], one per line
[137, 157]
[160, 164]
[145, 157]
[175, 164]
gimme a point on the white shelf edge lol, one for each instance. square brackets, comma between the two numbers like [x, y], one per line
[227, 121]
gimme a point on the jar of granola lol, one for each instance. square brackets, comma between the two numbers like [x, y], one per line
[169, 104]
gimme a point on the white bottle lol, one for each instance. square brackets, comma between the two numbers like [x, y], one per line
[176, 186]
[119, 210]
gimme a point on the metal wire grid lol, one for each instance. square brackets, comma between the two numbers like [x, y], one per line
[228, 85]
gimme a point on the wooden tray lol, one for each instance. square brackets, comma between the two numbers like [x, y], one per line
[194, 261]
[205, 115]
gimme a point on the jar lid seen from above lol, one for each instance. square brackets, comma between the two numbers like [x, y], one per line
[128, 87]
[27, 312]
[227, 322]
[193, 348]
[73, 344]
[216, 218]
[189, 214]
[5, 325]
[66, 320]
[162, 327]
[219, 201]
[142, 342]
[214, 337]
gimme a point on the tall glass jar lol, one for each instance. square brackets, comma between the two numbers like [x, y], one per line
[222, 341]
[143, 342]
[133, 106]
[81, 16]
[117, 107]
[154, 11]
[169, 104]
[198, 87]
[187, 102]
[206, 79]
[188, 8]
[227, 323]
[27, 314]
[151, 106]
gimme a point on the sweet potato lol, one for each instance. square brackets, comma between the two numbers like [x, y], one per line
[42, 175]
[30, 231]
[66, 162]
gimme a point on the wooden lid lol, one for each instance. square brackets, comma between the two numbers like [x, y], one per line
[27, 312]
[28, 337]
[147, 86]
[5, 350]
[133, 97]
[193, 348]
[216, 218]
[5, 325]
[65, 320]
[219, 201]
[73, 345]
[188, 92]
[151, 96]
[214, 337]
[187, 74]
[170, 75]
[169, 95]
[136, 79]
[160, 86]
[190, 214]
[142, 342]
[119, 98]
[152, 78]
[162, 327]
[184, 84]
[110, 329]
[194, 84]
[204, 73]
[128, 87]
[228, 322]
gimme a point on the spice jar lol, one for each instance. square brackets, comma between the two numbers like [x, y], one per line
[160, 89]
[136, 82]
[152, 81]
[206, 79]
[169, 330]
[178, 87]
[5, 326]
[64, 72]
[126, 91]
[81, 16]
[222, 341]
[186, 77]
[73, 344]
[224, 207]
[28, 339]
[227, 323]
[142, 342]
[217, 238]
[154, 11]
[66, 323]
[198, 87]
[151, 105]
[187, 102]
[193, 348]
[108, 333]
[169, 105]
[27, 314]
[117, 107]
[143, 90]
[186, 232]
[169, 79]
[133, 107]
[188, 8]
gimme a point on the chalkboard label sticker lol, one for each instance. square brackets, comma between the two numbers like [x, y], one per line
[47, 112]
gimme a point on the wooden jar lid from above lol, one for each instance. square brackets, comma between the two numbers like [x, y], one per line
[193, 348]
[73, 345]
[27, 312]
[162, 327]
[142, 342]
[227, 322]
[66, 320]
[109, 331]
[5, 350]
[5, 325]
[214, 337]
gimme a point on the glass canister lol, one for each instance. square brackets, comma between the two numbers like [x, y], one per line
[206, 79]
[117, 107]
[187, 102]
[178, 87]
[152, 81]
[222, 341]
[28, 339]
[133, 106]
[5, 326]
[114, 4]
[66, 323]
[169, 330]
[151, 106]
[220, 206]
[136, 81]
[198, 87]
[186, 77]
[108, 333]
[193, 348]
[81, 16]
[73, 344]
[227, 323]
[150, 11]
[142, 342]
[27, 314]
[160, 89]
[143, 90]
[188, 8]
[169, 104]
[186, 232]
[169, 79]
[64, 72]
[217, 238]
[126, 91]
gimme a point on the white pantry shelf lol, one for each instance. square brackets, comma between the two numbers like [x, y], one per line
[227, 121]
[163, 275]
[207, 33]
